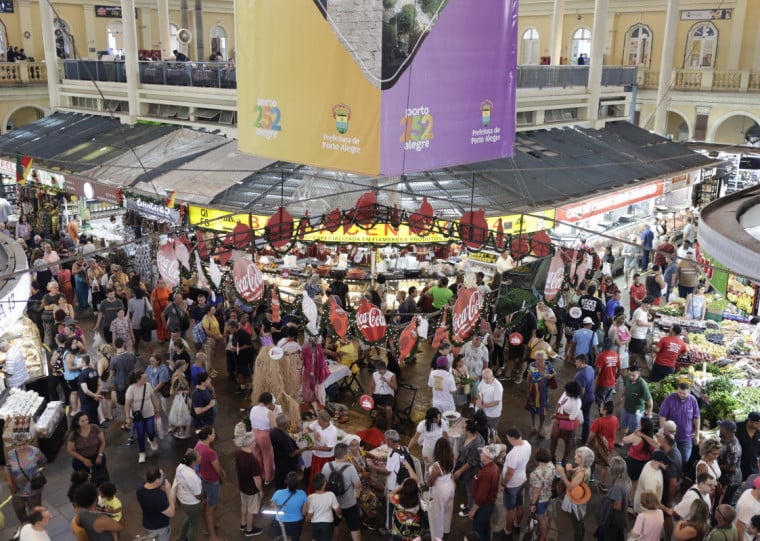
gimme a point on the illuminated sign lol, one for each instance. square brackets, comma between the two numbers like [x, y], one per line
[615, 200]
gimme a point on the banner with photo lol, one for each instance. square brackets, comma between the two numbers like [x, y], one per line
[374, 87]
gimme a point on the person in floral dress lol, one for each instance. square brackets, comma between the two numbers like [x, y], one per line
[540, 373]
[121, 327]
[541, 480]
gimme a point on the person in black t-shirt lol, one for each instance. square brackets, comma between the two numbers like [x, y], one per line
[339, 288]
[286, 451]
[156, 503]
[592, 306]
[90, 386]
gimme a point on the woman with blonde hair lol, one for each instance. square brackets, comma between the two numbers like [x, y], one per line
[698, 524]
[650, 520]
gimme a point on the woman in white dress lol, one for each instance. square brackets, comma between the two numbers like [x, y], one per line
[429, 431]
[442, 486]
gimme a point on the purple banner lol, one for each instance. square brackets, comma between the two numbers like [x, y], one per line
[452, 100]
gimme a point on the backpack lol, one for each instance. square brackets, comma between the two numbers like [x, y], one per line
[199, 333]
[402, 474]
[335, 482]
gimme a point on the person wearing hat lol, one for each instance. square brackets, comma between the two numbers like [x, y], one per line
[575, 477]
[14, 365]
[635, 401]
[383, 388]
[729, 460]
[640, 325]
[682, 407]
[748, 434]
[485, 488]
[651, 479]
[325, 436]
[667, 351]
[584, 340]
[747, 507]
[394, 463]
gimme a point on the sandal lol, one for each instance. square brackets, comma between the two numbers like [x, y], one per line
[124, 427]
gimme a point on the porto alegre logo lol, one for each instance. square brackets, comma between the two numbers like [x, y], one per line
[486, 106]
[342, 114]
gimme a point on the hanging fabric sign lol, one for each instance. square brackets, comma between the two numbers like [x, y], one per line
[249, 283]
[467, 312]
[371, 321]
[168, 266]
[555, 277]
[338, 318]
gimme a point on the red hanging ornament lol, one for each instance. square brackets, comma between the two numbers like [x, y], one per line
[241, 236]
[332, 221]
[338, 318]
[541, 244]
[203, 250]
[420, 222]
[442, 332]
[249, 283]
[407, 340]
[520, 247]
[366, 208]
[280, 227]
[474, 229]
[119, 196]
[500, 243]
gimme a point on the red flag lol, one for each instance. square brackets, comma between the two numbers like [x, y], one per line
[23, 168]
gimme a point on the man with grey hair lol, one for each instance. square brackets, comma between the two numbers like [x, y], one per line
[16, 373]
[286, 450]
[490, 397]
[351, 483]
[393, 465]
[249, 483]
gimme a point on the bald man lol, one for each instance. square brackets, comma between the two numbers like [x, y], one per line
[490, 397]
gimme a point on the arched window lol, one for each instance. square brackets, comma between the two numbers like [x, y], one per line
[700, 46]
[638, 46]
[219, 41]
[173, 42]
[116, 38]
[581, 44]
[529, 47]
[3, 40]
[64, 46]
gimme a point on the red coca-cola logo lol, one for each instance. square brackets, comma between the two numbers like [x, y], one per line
[338, 318]
[366, 402]
[555, 277]
[168, 266]
[249, 283]
[467, 312]
[371, 321]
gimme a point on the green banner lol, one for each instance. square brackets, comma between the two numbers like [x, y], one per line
[718, 275]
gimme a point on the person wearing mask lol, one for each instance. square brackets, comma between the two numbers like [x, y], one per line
[212, 475]
[682, 407]
[485, 488]
[157, 504]
[514, 475]
[189, 494]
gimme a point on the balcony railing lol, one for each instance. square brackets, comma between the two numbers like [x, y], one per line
[568, 76]
[95, 70]
[23, 73]
[704, 80]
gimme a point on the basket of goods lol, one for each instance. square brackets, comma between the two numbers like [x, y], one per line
[356, 274]
[323, 270]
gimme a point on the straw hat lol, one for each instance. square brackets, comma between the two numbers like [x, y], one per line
[580, 494]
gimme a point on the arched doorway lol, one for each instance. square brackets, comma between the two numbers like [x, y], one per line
[737, 129]
[219, 41]
[21, 116]
[529, 49]
[677, 128]
[581, 44]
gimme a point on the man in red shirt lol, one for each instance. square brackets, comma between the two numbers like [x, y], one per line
[638, 291]
[607, 372]
[667, 350]
[485, 487]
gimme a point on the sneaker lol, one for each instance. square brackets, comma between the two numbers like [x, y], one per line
[462, 506]
[103, 424]
[255, 531]
[130, 441]
[153, 444]
[242, 527]
[464, 512]
[141, 458]
[602, 487]
[517, 381]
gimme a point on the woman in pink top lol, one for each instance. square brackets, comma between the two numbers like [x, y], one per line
[262, 420]
[649, 522]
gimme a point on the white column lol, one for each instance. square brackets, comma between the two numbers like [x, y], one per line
[738, 17]
[130, 61]
[51, 59]
[598, 38]
[163, 28]
[25, 18]
[666, 67]
[88, 10]
[558, 20]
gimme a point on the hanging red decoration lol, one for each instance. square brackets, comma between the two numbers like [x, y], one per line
[280, 228]
[555, 277]
[420, 222]
[466, 314]
[473, 229]
[338, 317]
[120, 196]
[541, 244]
[332, 221]
[500, 243]
[201, 244]
[442, 332]
[370, 321]
[568, 255]
[520, 247]
[407, 340]
[366, 208]
[303, 226]
[275, 305]
[183, 254]
[224, 254]
[249, 283]
[241, 236]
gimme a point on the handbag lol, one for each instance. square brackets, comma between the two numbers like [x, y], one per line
[147, 323]
[138, 415]
[37, 481]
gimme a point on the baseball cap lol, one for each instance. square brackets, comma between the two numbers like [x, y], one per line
[728, 425]
[754, 416]
[588, 321]
[660, 456]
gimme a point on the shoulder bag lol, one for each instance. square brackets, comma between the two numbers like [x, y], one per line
[147, 323]
[138, 414]
[37, 481]
[275, 526]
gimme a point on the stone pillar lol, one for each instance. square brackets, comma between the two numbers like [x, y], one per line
[700, 127]
[666, 67]
[88, 11]
[199, 33]
[130, 52]
[738, 17]
[51, 59]
[558, 19]
[598, 38]
[163, 28]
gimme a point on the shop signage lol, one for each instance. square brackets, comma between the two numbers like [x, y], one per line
[439, 92]
[8, 167]
[221, 220]
[152, 211]
[110, 12]
[677, 182]
[615, 200]
[705, 14]
[38, 176]
[467, 312]
[91, 190]
[517, 224]
[483, 257]
[371, 321]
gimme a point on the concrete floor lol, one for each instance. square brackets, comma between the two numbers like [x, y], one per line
[127, 474]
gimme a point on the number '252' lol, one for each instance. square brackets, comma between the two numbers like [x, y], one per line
[417, 128]
[268, 118]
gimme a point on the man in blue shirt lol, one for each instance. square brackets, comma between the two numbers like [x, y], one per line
[203, 403]
[585, 378]
[612, 303]
[647, 238]
[584, 340]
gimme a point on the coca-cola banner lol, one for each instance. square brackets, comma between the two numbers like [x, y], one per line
[555, 277]
[370, 321]
[466, 315]
[338, 317]
[249, 283]
[168, 266]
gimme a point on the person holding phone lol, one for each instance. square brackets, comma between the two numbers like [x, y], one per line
[157, 504]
